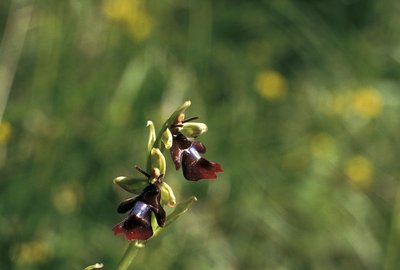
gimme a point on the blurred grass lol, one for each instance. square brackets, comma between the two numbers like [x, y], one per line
[302, 103]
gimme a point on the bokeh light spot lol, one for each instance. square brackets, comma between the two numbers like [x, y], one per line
[367, 102]
[30, 253]
[66, 199]
[5, 132]
[133, 14]
[359, 171]
[271, 85]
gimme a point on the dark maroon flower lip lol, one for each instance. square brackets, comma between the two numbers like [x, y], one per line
[187, 153]
[199, 169]
[137, 226]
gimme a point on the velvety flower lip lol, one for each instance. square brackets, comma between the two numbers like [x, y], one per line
[137, 226]
[186, 153]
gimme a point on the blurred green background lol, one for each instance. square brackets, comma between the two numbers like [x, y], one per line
[302, 103]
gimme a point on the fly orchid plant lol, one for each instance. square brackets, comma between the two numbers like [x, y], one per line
[146, 215]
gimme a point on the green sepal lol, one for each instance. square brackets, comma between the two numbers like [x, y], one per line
[131, 184]
[172, 120]
[167, 195]
[152, 135]
[179, 111]
[193, 129]
[158, 160]
[94, 266]
[180, 209]
[167, 138]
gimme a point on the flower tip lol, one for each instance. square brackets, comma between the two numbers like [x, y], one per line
[201, 169]
[117, 229]
[94, 266]
[119, 179]
[149, 123]
[184, 106]
[218, 167]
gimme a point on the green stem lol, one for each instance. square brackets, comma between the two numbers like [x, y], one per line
[129, 255]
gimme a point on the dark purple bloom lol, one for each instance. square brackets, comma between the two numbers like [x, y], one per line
[137, 226]
[187, 152]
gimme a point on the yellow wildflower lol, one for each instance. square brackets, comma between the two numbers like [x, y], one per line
[31, 253]
[132, 13]
[271, 84]
[359, 171]
[5, 132]
[66, 199]
[140, 25]
[367, 102]
[118, 9]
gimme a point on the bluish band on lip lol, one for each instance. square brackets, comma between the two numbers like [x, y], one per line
[140, 209]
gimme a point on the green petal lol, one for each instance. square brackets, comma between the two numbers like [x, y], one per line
[167, 138]
[152, 135]
[130, 184]
[177, 112]
[182, 108]
[193, 129]
[167, 195]
[158, 160]
[180, 209]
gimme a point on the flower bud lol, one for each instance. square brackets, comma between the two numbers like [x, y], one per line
[193, 129]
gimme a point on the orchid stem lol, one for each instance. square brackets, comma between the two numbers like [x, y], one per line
[129, 255]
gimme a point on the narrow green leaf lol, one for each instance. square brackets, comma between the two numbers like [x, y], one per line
[180, 209]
